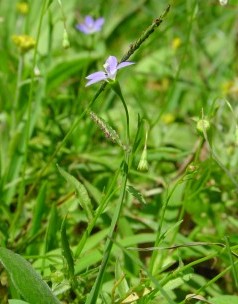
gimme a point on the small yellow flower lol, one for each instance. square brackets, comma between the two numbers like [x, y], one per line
[203, 125]
[22, 7]
[24, 42]
[168, 118]
[176, 43]
[226, 86]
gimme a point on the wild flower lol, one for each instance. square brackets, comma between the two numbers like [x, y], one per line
[90, 25]
[111, 67]
[22, 7]
[176, 43]
[223, 2]
[24, 42]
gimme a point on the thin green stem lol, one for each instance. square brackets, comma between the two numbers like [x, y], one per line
[112, 232]
[117, 89]
[17, 92]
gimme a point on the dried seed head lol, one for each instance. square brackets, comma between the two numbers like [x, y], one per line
[108, 131]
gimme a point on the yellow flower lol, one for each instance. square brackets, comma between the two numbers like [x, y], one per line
[226, 86]
[203, 125]
[176, 43]
[168, 118]
[22, 7]
[24, 42]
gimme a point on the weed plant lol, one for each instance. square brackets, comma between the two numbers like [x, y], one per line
[118, 151]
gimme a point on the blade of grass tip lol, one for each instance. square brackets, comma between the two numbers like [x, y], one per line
[233, 268]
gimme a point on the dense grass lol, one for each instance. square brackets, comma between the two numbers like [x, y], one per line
[119, 193]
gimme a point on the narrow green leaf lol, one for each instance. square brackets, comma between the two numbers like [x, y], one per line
[39, 210]
[136, 194]
[66, 249]
[25, 279]
[82, 193]
[50, 239]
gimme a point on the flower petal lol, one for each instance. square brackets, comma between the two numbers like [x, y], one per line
[98, 24]
[88, 20]
[82, 28]
[111, 65]
[99, 74]
[96, 77]
[124, 64]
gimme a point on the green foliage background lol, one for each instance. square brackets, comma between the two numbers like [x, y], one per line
[61, 177]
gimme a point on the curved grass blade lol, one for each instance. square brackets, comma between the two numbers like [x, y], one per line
[66, 249]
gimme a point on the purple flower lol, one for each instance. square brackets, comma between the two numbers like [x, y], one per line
[111, 67]
[90, 26]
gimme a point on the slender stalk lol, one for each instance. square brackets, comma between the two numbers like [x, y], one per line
[17, 92]
[117, 89]
[92, 298]
[107, 252]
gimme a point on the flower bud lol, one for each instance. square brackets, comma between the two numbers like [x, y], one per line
[22, 7]
[176, 43]
[143, 163]
[65, 43]
[203, 125]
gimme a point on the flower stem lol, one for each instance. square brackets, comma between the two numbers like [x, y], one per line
[117, 89]
[18, 85]
[112, 232]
